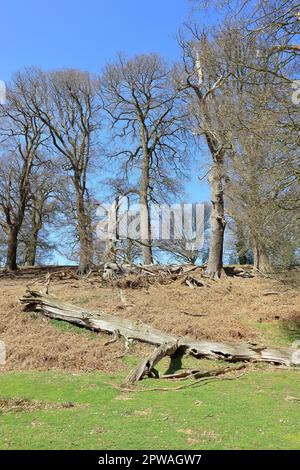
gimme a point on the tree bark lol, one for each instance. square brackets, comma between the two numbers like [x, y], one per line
[37, 216]
[85, 257]
[145, 211]
[12, 247]
[32, 249]
[260, 256]
[147, 366]
[84, 232]
[217, 223]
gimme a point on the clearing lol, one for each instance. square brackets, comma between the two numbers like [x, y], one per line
[57, 384]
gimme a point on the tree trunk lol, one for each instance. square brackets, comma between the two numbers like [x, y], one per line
[85, 253]
[85, 237]
[36, 226]
[145, 212]
[217, 223]
[240, 247]
[12, 246]
[32, 249]
[260, 256]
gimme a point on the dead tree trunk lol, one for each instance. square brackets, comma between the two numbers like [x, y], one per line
[147, 366]
[167, 344]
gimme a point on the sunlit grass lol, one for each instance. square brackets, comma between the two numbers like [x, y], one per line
[256, 411]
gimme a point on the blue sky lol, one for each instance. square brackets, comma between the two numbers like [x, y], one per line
[86, 34]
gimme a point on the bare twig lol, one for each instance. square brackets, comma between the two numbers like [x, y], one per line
[196, 314]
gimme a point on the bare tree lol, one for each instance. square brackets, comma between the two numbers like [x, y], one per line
[142, 109]
[276, 19]
[41, 212]
[263, 192]
[234, 78]
[65, 102]
[260, 159]
[279, 16]
[21, 134]
[199, 78]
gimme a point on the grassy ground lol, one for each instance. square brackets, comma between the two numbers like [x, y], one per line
[55, 392]
[257, 411]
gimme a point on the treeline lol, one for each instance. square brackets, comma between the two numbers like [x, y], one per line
[141, 125]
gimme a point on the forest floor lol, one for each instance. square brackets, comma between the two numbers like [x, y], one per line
[259, 310]
[54, 390]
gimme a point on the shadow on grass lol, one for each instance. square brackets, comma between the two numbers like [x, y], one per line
[175, 363]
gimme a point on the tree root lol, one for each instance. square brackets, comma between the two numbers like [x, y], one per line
[204, 379]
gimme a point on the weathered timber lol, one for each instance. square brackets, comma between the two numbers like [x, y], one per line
[52, 307]
[147, 365]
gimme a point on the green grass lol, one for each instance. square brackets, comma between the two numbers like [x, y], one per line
[252, 412]
[68, 327]
[279, 333]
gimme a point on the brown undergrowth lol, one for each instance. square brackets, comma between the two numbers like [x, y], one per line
[17, 405]
[234, 309]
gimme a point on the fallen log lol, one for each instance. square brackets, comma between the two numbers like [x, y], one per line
[131, 330]
[53, 307]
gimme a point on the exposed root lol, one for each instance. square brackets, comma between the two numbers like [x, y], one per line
[116, 336]
[203, 380]
[197, 374]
